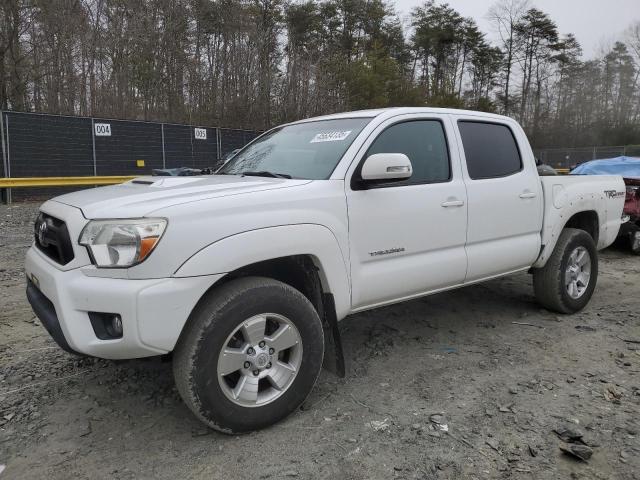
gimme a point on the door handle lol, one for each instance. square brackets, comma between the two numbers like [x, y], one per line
[452, 203]
[527, 195]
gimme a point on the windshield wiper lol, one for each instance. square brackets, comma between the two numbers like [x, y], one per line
[265, 173]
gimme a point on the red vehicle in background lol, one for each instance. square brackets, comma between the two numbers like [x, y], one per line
[631, 228]
[629, 169]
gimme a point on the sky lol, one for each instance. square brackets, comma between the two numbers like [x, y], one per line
[595, 23]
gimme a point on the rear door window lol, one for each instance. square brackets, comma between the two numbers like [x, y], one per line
[490, 149]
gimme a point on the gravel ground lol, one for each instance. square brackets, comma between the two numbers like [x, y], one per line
[466, 384]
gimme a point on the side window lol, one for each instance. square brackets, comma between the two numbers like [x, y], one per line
[490, 149]
[424, 142]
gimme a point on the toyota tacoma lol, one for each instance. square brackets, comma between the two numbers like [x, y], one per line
[242, 275]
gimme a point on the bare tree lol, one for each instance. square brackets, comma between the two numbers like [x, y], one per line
[255, 63]
[505, 15]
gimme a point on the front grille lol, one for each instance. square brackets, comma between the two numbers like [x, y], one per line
[52, 238]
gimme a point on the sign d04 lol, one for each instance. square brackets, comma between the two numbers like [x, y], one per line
[102, 129]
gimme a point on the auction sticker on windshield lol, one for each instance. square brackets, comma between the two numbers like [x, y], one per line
[330, 136]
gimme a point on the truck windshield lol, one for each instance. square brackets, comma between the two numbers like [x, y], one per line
[309, 150]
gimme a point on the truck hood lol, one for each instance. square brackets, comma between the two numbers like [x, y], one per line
[144, 195]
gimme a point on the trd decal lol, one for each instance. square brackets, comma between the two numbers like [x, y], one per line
[614, 194]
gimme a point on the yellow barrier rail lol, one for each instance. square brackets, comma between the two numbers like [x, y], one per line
[61, 181]
[105, 180]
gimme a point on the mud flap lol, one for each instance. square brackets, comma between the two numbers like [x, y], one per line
[333, 351]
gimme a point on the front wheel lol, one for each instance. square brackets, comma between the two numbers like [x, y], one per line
[567, 281]
[250, 354]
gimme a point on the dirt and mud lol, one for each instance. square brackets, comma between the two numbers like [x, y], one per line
[476, 383]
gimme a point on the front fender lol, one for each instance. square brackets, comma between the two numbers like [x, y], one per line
[237, 251]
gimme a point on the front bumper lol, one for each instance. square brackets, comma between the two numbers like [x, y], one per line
[153, 311]
[46, 312]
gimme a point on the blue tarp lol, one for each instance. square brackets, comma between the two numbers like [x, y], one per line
[628, 167]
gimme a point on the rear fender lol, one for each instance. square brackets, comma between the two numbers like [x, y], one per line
[564, 201]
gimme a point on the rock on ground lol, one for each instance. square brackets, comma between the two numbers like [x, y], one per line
[458, 355]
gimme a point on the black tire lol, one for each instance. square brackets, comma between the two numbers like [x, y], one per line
[634, 243]
[216, 316]
[548, 281]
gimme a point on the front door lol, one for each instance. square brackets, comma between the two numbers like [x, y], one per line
[408, 237]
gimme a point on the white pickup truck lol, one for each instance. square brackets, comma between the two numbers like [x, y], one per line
[241, 275]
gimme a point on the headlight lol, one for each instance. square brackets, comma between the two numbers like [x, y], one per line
[121, 243]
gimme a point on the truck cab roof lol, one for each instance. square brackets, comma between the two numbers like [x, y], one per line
[393, 111]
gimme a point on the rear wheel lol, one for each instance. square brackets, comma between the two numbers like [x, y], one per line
[567, 281]
[250, 354]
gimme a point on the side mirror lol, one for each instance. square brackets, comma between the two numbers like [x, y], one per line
[386, 166]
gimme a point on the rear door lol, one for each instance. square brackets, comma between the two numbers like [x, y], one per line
[408, 237]
[504, 197]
